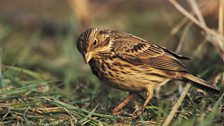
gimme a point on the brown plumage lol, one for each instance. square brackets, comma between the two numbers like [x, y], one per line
[130, 63]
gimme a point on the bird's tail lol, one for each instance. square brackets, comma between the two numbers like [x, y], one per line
[200, 83]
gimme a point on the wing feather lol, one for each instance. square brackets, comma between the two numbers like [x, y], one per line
[138, 51]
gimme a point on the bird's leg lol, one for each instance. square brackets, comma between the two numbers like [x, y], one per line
[149, 97]
[123, 103]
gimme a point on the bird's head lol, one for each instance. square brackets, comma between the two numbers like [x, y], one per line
[92, 42]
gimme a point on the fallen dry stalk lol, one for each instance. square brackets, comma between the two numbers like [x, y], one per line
[197, 11]
[221, 4]
[183, 36]
[177, 105]
[212, 36]
[186, 88]
[81, 11]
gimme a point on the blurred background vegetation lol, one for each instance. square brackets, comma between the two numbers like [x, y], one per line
[43, 78]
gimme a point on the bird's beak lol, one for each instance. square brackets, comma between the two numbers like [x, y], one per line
[88, 57]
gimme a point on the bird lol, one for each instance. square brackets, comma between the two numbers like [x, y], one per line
[130, 63]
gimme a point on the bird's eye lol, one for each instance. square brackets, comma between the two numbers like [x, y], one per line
[94, 43]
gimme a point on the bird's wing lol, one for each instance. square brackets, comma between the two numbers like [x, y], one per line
[137, 51]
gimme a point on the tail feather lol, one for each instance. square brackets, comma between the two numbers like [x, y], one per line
[201, 83]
